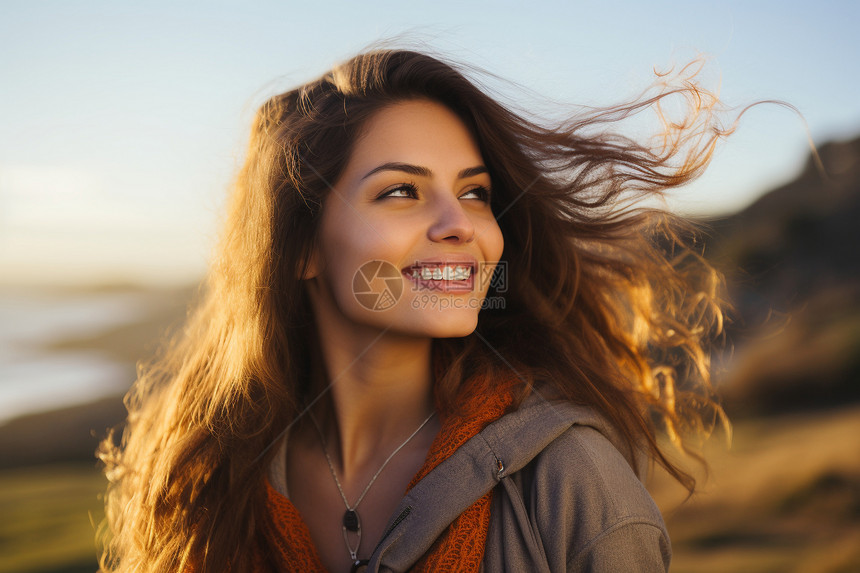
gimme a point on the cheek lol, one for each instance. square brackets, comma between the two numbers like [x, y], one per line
[494, 243]
[493, 248]
[350, 250]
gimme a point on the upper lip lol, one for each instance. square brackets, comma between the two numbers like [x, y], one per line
[444, 260]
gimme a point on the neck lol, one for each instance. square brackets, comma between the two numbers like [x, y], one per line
[381, 390]
[377, 402]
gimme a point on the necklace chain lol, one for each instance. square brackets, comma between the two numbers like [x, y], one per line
[351, 514]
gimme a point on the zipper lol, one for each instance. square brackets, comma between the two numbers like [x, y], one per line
[394, 525]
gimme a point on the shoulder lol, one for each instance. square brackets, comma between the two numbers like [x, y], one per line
[583, 459]
[585, 506]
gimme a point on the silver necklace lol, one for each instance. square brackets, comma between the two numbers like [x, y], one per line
[351, 520]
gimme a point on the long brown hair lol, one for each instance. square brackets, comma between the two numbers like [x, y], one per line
[605, 304]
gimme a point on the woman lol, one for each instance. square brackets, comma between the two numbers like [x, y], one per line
[419, 292]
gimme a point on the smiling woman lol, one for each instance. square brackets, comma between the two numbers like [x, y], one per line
[437, 337]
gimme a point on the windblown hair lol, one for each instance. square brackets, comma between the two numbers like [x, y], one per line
[606, 304]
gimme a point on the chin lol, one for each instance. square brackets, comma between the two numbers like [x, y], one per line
[450, 326]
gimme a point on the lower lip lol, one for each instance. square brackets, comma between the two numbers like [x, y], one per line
[464, 285]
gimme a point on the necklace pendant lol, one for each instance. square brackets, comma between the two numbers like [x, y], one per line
[352, 533]
[351, 521]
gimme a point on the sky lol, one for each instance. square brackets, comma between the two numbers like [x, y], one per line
[122, 124]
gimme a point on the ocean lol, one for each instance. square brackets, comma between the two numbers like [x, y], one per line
[44, 366]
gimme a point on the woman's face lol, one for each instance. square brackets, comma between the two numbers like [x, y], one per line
[407, 239]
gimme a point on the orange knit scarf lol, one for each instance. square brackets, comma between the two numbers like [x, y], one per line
[461, 547]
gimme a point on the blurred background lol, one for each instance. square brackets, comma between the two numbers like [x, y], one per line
[122, 124]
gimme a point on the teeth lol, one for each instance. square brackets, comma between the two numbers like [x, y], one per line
[447, 273]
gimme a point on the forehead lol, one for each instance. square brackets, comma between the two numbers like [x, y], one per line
[415, 131]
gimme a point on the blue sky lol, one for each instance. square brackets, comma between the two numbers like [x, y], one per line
[122, 123]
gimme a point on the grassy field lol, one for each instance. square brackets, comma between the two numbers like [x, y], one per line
[785, 498]
[48, 519]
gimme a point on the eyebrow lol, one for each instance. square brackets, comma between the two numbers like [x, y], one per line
[423, 171]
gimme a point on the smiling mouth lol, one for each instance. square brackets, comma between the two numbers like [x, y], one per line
[446, 277]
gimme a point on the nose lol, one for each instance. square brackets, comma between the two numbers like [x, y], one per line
[451, 223]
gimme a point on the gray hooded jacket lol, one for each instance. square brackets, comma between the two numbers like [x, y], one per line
[565, 498]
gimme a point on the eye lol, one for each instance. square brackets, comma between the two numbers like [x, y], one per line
[408, 190]
[480, 192]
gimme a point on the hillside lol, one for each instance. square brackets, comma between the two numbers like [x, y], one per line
[793, 268]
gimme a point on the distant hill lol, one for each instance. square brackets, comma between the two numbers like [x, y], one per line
[793, 266]
[66, 435]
